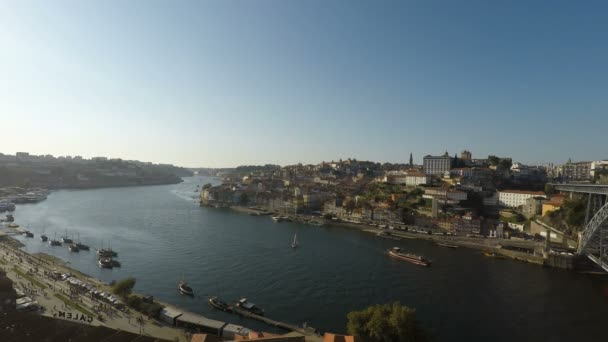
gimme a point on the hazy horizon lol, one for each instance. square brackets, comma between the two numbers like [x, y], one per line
[227, 83]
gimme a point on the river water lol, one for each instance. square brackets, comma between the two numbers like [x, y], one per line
[161, 234]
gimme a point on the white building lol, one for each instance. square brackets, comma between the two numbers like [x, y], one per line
[516, 198]
[598, 166]
[415, 179]
[437, 165]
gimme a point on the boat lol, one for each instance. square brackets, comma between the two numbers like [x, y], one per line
[44, 238]
[10, 218]
[29, 234]
[116, 263]
[294, 244]
[183, 288]
[106, 253]
[249, 307]
[396, 252]
[443, 244]
[105, 263]
[493, 255]
[66, 239]
[388, 235]
[80, 245]
[219, 304]
[277, 218]
[55, 242]
[73, 248]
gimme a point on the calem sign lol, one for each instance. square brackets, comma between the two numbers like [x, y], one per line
[73, 316]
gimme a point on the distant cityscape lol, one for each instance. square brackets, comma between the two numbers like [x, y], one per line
[459, 195]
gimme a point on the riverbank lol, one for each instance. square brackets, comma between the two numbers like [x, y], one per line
[513, 249]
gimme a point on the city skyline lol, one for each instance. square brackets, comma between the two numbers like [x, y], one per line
[222, 84]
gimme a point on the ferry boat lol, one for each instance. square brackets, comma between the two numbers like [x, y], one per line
[105, 263]
[250, 307]
[183, 288]
[219, 304]
[396, 252]
[73, 248]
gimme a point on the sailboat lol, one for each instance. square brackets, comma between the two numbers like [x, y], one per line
[43, 237]
[294, 244]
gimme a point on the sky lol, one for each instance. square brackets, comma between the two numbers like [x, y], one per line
[226, 83]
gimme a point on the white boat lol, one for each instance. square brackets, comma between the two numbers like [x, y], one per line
[294, 244]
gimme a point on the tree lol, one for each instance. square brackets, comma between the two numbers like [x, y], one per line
[411, 160]
[124, 287]
[493, 160]
[206, 186]
[386, 323]
[549, 190]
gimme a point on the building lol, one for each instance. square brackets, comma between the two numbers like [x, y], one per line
[533, 206]
[437, 165]
[516, 198]
[575, 171]
[553, 204]
[466, 156]
[415, 179]
[445, 196]
[598, 166]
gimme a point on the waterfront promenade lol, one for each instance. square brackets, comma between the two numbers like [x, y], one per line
[41, 287]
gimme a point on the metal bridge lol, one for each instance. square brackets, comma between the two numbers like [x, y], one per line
[594, 240]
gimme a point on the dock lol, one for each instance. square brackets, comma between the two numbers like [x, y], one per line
[283, 325]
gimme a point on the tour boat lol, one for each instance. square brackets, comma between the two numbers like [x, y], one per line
[250, 307]
[219, 304]
[106, 253]
[184, 288]
[294, 244]
[395, 252]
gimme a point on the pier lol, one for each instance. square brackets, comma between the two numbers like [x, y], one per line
[290, 327]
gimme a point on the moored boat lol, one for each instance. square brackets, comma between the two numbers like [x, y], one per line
[105, 263]
[44, 238]
[29, 234]
[219, 304]
[250, 307]
[73, 248]
[396, 252]
[183, 288]
[106, 253]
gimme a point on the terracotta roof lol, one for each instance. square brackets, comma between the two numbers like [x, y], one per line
[328, 337]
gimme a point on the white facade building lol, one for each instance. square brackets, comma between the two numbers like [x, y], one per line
[434, 165]
[417, 179]
[516, 198]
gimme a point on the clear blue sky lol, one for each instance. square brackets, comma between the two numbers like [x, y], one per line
[223, 83]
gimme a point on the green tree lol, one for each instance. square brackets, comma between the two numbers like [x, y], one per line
[549, 190]
[124, 287]
[493, 160]
[411, 160]
[386, 323]
[206, 186]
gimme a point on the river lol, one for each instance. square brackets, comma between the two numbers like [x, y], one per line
[161, 234]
